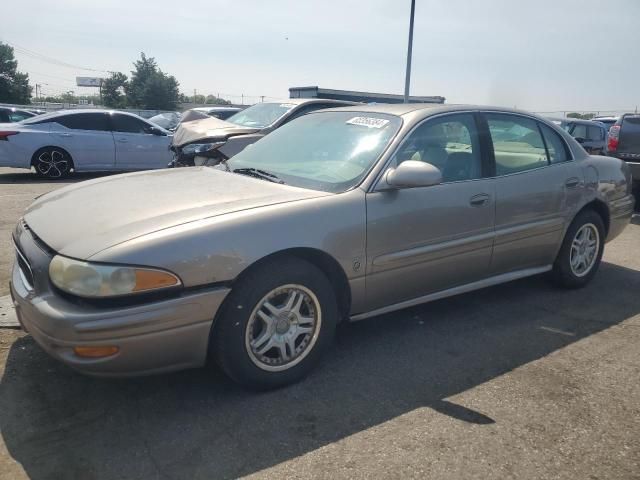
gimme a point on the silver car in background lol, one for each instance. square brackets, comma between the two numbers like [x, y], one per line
[341, 214]
[212, 140]
[84, 140]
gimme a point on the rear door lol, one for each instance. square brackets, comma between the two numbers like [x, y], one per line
[427, 239]
[136, 147]
[87, 138]
[531, 192]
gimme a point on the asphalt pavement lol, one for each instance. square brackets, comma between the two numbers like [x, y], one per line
[520, 380]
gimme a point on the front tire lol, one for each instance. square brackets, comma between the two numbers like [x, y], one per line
[581, 251]
[276, 324]
[52, 163]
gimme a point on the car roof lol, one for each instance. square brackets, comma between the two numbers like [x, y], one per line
[421, 110]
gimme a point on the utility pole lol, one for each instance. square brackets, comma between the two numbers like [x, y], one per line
[261, 98]
[407, 78]
[242, 102]
[194, 95]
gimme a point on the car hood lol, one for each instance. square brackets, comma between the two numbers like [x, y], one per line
[83, 219]
[211, 127]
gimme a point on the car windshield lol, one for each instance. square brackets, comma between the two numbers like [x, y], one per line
[260, 115]
[328, 151]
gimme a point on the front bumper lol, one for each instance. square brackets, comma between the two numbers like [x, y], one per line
[165, 335]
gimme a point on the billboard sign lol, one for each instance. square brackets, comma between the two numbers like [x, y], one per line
[89, 81]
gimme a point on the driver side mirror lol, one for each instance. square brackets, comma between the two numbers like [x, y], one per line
[579, 139]
[155, 131]
[411, 174]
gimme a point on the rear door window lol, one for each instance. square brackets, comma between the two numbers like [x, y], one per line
[517, 143]
[579, 131]
[84, 121]
[595, 133]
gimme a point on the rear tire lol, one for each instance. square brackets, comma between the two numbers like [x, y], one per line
[581, 251]
[275, 324]
[52, 163]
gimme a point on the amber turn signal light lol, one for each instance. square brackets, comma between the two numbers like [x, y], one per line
[95, 352]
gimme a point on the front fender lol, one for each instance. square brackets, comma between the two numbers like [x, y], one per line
[219, 249]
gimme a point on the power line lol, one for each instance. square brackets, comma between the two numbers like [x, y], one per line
[45, 58]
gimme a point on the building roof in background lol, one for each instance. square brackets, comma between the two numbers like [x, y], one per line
[355, 96]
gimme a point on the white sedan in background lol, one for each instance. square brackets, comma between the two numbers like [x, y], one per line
[82, 141]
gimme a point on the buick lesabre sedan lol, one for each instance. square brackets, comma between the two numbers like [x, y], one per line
[341, 214]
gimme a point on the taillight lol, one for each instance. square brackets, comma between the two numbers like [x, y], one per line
[6, 134]
[614, 135]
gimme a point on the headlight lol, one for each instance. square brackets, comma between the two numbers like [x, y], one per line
[97, 280]
[195, 148]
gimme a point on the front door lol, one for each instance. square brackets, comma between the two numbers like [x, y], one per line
[136, 147]
[423, 240]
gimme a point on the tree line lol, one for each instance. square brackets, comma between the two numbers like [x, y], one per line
[147, 87]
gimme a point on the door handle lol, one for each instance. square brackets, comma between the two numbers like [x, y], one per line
[123, 140]
[65, 134]
[479, 200]
[572, 182]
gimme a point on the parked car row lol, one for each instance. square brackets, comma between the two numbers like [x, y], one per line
[339, 214]
[592, 135]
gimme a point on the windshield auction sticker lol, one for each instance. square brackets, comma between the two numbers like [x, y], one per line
[287, 105]
[370, 122]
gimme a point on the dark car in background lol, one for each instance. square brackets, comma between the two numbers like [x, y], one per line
[211, 140]
[624, 143]
[13, 115]
[590, 134]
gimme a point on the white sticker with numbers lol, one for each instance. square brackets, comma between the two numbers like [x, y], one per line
[370, 122]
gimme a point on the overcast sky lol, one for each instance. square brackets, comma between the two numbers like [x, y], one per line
[541, 55]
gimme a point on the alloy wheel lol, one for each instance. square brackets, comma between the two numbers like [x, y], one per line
[283, 328]
[584, 249]
[53, 164]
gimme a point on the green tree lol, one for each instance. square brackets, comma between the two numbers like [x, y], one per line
[14, 86]
[113, 89]
[149, 87]
[213, 100]
[582, 116]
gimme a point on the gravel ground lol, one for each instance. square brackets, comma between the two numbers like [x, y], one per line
[515, 381]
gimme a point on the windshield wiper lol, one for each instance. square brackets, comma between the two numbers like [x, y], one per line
[257, 173]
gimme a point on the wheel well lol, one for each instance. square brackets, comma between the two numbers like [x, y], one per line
[37, 152]
[601, 209]
[326, 263]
